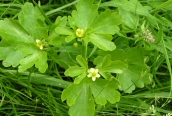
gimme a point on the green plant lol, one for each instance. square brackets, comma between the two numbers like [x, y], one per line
[90, 47]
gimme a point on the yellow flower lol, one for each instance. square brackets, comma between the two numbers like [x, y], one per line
[80, 32]
[39, 44]
[93, 73]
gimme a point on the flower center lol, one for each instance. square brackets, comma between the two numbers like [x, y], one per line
[80, 32]
[93, 73]
[39, 44]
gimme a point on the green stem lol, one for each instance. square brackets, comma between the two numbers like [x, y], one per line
[84, 52]
[60, 8]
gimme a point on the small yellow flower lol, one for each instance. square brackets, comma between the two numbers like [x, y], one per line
[93, 73]
[39, 44]
[80, 32]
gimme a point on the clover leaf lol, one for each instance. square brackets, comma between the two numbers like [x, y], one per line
[94, 27]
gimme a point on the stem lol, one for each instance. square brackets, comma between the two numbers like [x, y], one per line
[60, 8]
[84, 53]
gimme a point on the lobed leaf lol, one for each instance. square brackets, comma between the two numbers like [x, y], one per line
[19, 44]
[81, 61]
[106, 23]
[130, 20]
[85, 14]
[80, 77]
[71, 93]
[13, 32]
[41, 63]
[84, 105]
[54, 38]
[79, 97]
[137, 74]
[32, 21]
[132, 6]
[114, 67]
[64, 31]
[74, 71]
[12, 58]
[104, 91]
[125, 81]
[105, 65]
[103, 41]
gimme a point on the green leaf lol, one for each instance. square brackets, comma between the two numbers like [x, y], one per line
[132, 6]
[85, 14]
[54, 38]
[84, 105]
[13, 32]
[106, 23]
[163, 5]
[130, 19]
[104, 64]
[114, 67]
[41, 63]
[106, 61]
[12, 58]
[79, 97]
[71, 93]
[74, 71]
[81, 61]
[60, 21]
[107, 76]
[38, 58]
[72, 22]
[61, 29]
[44, 79]
[32, 21]
[134, 76]
[70, 38]
[137, 74]
[125, 81]
[104, 91]
[20, 48]
[103, 61]
[103, 42]
[64, 31]
[28, 62]
[80, 72]
[67, 56]
[80, 77]
[19, 42]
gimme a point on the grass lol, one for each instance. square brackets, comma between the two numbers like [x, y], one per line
[20, 97]
[33, 94]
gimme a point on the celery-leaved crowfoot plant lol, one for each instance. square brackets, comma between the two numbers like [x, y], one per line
[99, 70]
